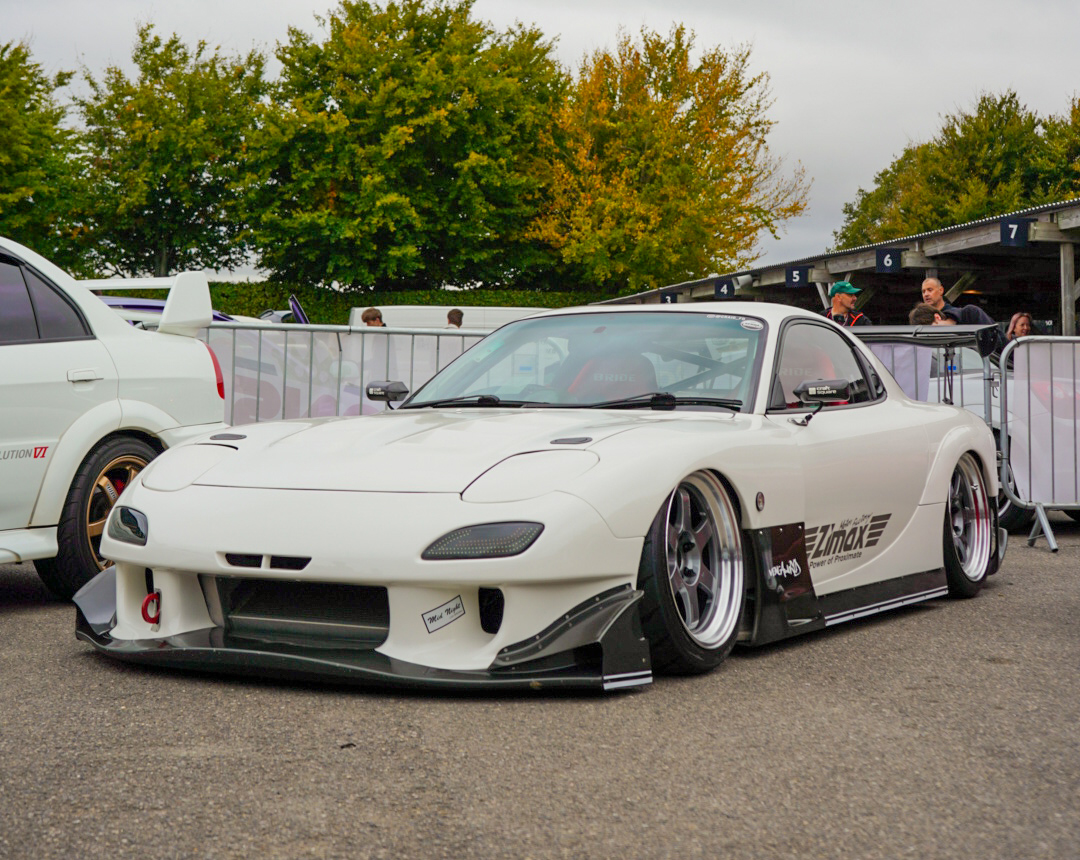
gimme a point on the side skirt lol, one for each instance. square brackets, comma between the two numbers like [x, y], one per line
[883, 596]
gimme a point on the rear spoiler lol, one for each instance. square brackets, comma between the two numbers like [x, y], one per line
[981, 337]
[187, 308]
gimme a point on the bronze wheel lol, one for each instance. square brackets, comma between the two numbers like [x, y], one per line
[102, 477]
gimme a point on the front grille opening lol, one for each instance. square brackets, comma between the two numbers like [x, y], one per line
[288, 562]
[241, 559]
[308, 614]
[492, 604]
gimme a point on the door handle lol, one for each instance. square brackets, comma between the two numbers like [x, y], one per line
[86, 375]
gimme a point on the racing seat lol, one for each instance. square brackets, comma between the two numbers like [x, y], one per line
[612, 376]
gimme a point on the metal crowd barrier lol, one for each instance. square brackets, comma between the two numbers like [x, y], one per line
[1040, 434]
[274, 371]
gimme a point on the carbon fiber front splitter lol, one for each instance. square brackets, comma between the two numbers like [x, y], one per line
[599, 645]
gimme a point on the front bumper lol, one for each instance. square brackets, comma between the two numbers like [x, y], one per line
[596, 645]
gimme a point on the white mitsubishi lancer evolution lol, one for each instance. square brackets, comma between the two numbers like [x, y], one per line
[583, 498]
[86, 401]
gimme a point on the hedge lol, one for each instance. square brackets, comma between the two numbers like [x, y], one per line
[330, 307]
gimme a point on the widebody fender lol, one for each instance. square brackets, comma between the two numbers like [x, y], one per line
[975, 437]
[78, 440]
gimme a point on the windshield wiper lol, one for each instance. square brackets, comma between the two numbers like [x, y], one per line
[475, 400]
[665, 401]
[465, 400]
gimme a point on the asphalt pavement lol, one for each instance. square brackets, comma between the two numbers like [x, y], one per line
[945, 730]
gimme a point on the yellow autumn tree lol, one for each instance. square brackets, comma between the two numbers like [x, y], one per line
[665, 173]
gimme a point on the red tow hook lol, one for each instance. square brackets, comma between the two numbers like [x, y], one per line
[155, 601]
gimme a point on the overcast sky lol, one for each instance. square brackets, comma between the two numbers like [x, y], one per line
[853, 81]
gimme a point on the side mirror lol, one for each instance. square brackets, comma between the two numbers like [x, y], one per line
[823, 391]
[387, 392]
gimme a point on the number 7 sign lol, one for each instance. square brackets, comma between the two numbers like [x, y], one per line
[1014, 232]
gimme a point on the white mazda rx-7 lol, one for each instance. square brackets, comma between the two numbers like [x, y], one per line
[583, 498]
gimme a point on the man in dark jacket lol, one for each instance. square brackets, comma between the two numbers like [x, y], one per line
[933, 294]
[927, 314]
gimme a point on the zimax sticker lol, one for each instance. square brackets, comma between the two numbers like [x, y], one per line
[844, 541]
[440, 616]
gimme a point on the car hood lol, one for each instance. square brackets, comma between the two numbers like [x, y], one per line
[431, 451]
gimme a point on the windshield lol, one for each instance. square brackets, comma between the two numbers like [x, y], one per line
[590, 359]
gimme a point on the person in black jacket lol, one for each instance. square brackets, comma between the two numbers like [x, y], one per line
[933, 294]
[926, 314]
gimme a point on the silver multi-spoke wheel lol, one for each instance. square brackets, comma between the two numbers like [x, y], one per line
[968, 524]
[693, 575]
[704, 559]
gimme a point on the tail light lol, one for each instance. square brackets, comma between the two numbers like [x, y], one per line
[217, 371]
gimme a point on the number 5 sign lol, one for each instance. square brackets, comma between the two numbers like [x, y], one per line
[797, 276]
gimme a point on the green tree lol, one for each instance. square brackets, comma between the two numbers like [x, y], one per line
[1062, 153]
[404, 151]
[994, 159]
[35, 171]
[162, 158]
[665, 172]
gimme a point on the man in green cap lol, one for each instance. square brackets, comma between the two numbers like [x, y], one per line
[843, 310]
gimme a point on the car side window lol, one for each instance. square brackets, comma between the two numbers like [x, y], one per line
[17, 324]
[57, 319]
[809, 352]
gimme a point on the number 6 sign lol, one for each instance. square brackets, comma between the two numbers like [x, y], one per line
[888, 260]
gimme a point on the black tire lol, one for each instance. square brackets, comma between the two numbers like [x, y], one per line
[967, 530]
[101, 478]
[1010, 517]
[692, 572]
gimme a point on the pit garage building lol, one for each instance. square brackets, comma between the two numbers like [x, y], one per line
[1022, 261]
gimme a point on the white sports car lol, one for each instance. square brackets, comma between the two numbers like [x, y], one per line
[580, 499]
[86, 401]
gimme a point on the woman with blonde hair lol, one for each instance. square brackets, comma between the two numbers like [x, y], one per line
[1019, 326]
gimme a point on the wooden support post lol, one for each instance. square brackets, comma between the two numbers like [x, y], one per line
[962, 283]
[1068, 289]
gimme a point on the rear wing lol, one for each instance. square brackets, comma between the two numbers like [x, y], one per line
[913, 373]
[981, 337]
[187, 307]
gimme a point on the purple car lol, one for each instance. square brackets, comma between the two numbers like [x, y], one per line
[138, 310]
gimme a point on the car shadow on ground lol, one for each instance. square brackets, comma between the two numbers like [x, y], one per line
[20, 589]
